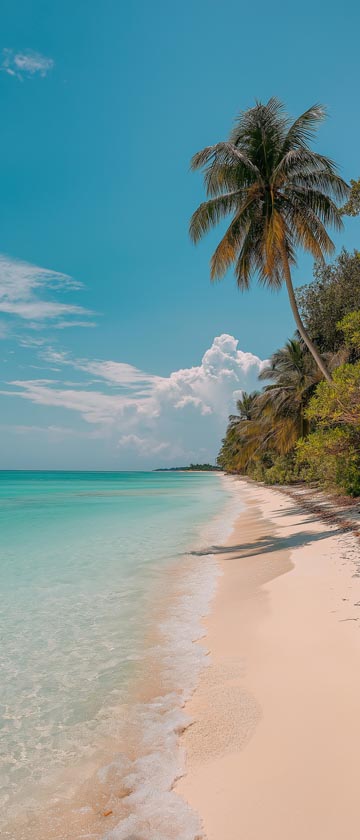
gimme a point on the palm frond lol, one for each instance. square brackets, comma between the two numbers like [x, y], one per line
[307, 229]
[249, 257]
[304, 128]
[231, 243]
[318, 202]
[290, 193]
[322, 180]
[210, 212]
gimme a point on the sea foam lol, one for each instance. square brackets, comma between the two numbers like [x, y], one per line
[155, 810]
[84, 567]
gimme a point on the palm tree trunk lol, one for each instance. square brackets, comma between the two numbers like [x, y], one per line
[303, 332]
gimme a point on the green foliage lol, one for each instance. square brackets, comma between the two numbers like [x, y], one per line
[285, 470]
[331, 457]
[269, 423]
[331, 454]
[191, 468]
[300, 428]
[293, 376]
[333, 294]
[337, 402]
[201, 468]
[352, 206]
[350, 327]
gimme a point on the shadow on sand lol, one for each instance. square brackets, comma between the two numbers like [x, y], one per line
[268, 544]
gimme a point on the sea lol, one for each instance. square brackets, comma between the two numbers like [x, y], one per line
[105, 578]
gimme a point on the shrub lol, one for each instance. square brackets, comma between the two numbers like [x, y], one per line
[350, 327]
[334, 292]
[332, 458]
[285, 470]
[337, 401]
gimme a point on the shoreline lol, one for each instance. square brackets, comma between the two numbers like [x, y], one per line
[127, 786]
[218, 684]
[274, 743]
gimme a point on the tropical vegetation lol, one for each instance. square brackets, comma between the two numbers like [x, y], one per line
[281, 195]
[301, 426]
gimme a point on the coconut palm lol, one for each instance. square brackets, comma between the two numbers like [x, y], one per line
[236, 447]
[246, 406]
[280, 195]
[293, 376]
[271, 422]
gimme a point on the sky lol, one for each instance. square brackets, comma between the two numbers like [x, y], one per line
[116, 350]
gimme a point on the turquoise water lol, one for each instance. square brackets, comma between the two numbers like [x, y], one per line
[84, 557]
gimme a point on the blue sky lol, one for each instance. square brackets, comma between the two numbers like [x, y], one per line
[119, 350]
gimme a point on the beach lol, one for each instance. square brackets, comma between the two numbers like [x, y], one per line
[275, 737]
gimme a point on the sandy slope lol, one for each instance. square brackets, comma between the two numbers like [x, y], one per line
[274, 751]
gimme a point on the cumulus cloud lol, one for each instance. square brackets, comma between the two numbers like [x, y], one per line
[26, 64]
[179, 416]
[142, 445]
[24, 289]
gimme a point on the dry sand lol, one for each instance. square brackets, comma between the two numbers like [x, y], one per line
[274, 750]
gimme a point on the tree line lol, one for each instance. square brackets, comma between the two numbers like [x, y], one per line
[282, 196]
[300, 426]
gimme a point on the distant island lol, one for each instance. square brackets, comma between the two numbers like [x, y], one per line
[191, 468]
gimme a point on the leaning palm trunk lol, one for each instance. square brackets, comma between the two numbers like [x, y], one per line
[280, 195]
[303, 332]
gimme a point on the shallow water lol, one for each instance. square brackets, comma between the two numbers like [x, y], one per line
[86, 577]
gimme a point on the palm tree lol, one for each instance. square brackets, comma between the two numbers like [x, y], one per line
[246, 407]
[280, 194]
[237, 449]
[293, 378]
[271, 422]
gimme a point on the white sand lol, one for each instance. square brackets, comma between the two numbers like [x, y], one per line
[274, 751]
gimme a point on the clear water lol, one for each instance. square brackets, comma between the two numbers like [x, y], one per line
[84, 558]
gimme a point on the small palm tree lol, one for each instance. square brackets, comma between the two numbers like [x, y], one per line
[293, 376]
[246, 406]
[280, 194]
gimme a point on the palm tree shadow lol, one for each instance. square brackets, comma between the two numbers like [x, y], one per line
[268, 544]
[293, 511]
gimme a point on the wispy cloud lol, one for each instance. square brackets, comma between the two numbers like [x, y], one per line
[24, 293]
[62, 325]
[26, 64]
[94, 406]
[120, 374]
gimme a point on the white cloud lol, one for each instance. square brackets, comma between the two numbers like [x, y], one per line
[180, 416]
[62, 325]
[143, 446]
[30, 341]
[195, 401]
[26, 64]
[22, 290]
[94, 406]
[39, 310]
[120, 374]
